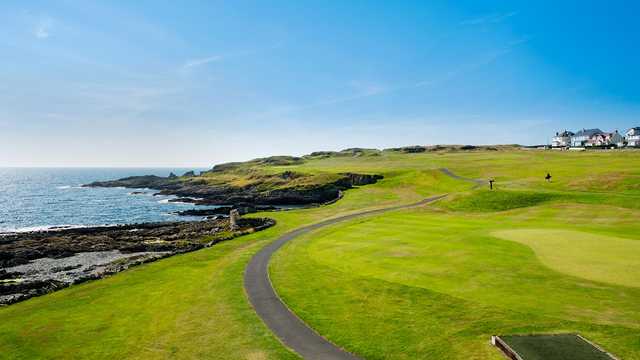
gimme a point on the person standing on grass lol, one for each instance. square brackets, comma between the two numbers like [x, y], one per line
[491, 184]
[548, 177]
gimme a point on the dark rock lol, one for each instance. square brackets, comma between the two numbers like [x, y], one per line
[362, 179]
[321, 154]
[410, 149]
[290, 175]
[223, 210]
[145, 181]
[144, 242]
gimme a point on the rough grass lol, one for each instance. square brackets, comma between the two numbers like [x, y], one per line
[500, 200]
[264, 178]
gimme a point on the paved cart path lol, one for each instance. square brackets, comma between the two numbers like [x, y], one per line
[448, 172]
[292, 331]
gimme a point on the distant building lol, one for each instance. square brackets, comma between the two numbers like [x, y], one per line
[596, 138]
[562, 139]
[582, 137]
[633, 136]
[618, 139]
[606, 139]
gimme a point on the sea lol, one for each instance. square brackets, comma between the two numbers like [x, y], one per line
[44, 198]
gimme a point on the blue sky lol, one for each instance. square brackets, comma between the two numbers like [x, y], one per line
[162, 83]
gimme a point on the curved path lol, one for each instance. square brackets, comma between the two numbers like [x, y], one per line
[290, 329]
[283, 322]
[448, 172]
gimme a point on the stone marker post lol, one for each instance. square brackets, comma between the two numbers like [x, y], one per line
[234, 216]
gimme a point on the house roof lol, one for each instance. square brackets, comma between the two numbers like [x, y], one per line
[588, 132]
[566, 133]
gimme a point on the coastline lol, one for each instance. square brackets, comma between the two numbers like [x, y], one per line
[35, 260]
[39, 262]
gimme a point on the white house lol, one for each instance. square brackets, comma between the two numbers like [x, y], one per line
[581, 138]
[606, 139]
[562, 139]
[633, 136]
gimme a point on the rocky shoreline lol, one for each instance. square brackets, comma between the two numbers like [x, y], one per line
[35, 263]
[198, 190]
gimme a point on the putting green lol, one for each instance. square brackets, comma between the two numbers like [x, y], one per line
[590, 256]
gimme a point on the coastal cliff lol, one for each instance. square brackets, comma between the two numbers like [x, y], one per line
[256, 182]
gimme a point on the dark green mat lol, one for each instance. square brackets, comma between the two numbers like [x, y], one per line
[554, 347]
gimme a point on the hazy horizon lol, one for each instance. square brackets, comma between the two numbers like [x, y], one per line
[145, 84]
[201, 166]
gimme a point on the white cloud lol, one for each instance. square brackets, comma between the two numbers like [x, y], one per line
[489, 19]
[202, 61]
[42, 29]
[206, 60]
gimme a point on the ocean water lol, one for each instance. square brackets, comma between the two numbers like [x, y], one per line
[39, 198]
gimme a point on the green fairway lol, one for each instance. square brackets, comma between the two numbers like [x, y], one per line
[498, 286]
[591, 256]
[433, 282]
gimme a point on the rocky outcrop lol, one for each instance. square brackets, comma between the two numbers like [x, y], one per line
[39, 262]
[197, 190]
[225, 210]
[136, 182]
[352, 179]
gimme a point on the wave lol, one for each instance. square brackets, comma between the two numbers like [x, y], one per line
[66, 187]
[4, 231]
[26, 229]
